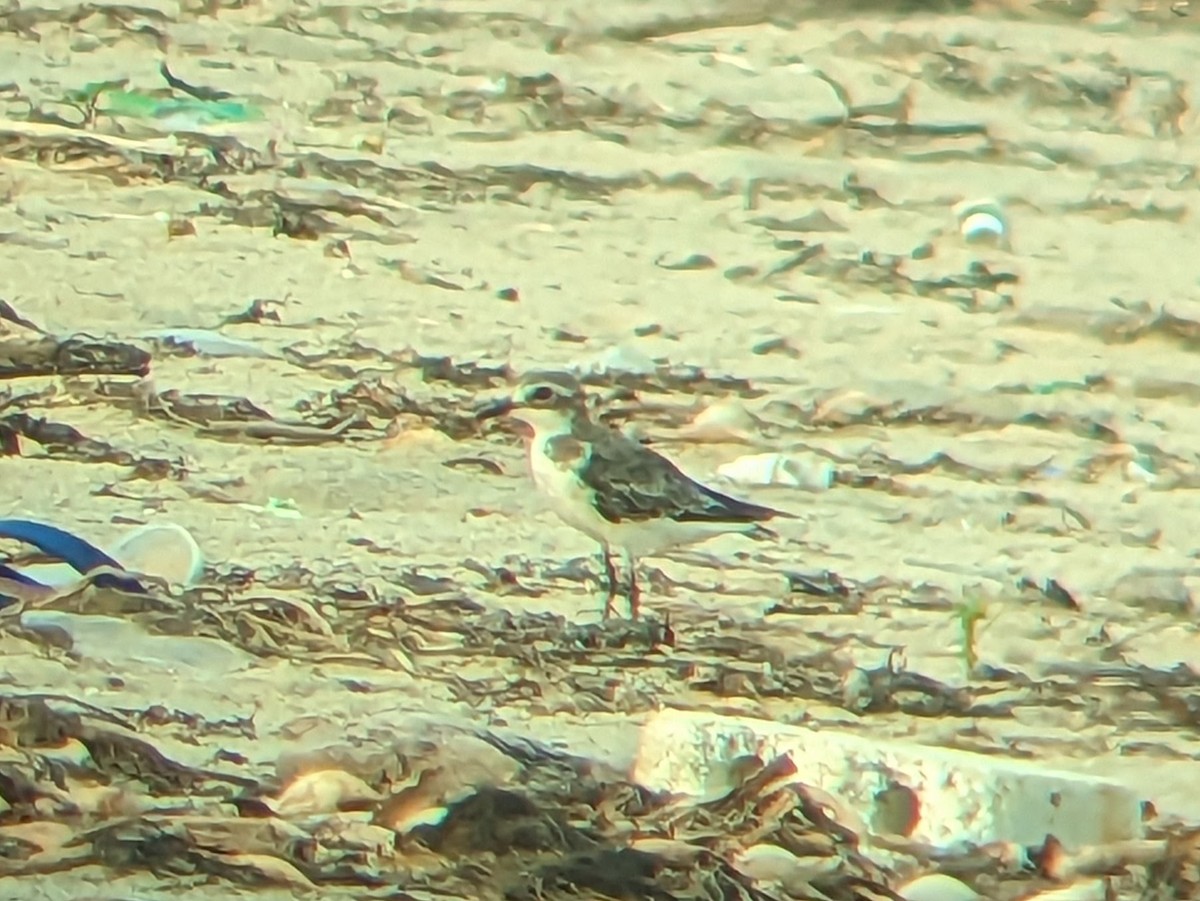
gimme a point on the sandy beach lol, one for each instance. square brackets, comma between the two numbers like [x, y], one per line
[741, 222]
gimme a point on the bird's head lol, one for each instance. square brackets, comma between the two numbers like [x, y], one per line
[545, 401]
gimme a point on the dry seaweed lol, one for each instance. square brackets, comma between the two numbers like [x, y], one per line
[236, 418]
[64, 442]
[27, 355]
[559, 826]
[505, 842]
[55, 142]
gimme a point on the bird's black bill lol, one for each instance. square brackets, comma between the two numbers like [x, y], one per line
[494, 409]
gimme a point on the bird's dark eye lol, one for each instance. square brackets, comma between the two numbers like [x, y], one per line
[543, 393]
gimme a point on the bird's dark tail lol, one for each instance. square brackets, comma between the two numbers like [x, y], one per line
[730, 509]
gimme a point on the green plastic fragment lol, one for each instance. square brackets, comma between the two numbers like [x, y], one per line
[143, 106]
[112, 98]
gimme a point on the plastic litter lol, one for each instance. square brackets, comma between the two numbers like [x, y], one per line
[164, 550]
[983, 222]
[620, 359]
[791, 470]
[937, 887]
[113, 640]
[79, 557]
[207, 343]
[198, 105]
[725, 420]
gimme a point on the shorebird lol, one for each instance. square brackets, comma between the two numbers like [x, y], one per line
[621, 493]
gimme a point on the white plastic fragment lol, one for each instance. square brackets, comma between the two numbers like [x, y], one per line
[955, 796]
[792, 470]
[737, 62]
[936, 887]
[118, 642]
[1089, 890]
[772, 864]
[279, 507]
[163, 549]
[322, 791]
[621, 358]
[725, 420]
[426, 816]
[1136, 472]
[982, 221]
[979, 226]
[208, 343]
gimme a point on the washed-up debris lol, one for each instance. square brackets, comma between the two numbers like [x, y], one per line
[205, 342]
[277, 432]
[179, 156]
[390, 403]
[352, 359]
[725, 420]
[178, 227]
[261, 310]
[198, 106]
[26, 351]
[445, 817]
[161, 550]
[236, 418]
[937, 887]
[313, 201]
[899, 789]
[102, 590]
[682, 263]
[978, 277]
[35, 721]
[800, 253]
[80, 559]
[887, 272]
[815, 221]
[983, 222]
[209, 95]
[776, 345]
[282, 508]
[792, 470]
[117, 643]
[623, 359]
[324, 791]
[204, 409]
[38, 437]
[1121, 322]
[1049, 590]
[455, 414]
[622, 369]
[547, 817]
[110, 98]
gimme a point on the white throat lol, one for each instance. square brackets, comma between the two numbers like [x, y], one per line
[546, 423]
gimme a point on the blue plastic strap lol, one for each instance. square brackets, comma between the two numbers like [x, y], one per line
[80, 555]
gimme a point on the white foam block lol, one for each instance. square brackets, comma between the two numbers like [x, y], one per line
[959, 796]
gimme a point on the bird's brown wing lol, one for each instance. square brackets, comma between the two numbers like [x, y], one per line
[631, 482]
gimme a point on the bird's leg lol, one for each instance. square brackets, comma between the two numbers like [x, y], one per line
[610, 576]
[635, 593]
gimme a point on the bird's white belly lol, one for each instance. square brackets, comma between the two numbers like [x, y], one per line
[568, 496]
[572, 501]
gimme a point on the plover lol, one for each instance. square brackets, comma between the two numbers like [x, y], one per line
[619, 492]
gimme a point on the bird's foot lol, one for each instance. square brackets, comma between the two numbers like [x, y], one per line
[635, 595]
[610, 576]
